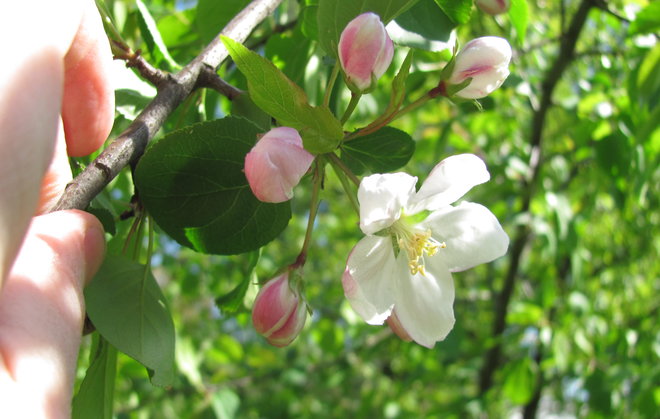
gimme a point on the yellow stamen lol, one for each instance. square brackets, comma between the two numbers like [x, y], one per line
[416, 245]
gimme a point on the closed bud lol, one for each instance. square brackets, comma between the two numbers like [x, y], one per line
[494, 7]
[279, 313]
[365, 51]
[276, 163]
[486, 62]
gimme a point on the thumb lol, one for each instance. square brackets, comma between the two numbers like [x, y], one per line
[42, 312]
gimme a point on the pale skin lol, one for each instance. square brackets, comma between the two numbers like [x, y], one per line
[55, 98]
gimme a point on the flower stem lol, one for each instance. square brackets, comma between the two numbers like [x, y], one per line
[331, 84]
[344, 174]
[413, 105]
[313, 209]
[336, 161]
[382, 121]
[355, 98]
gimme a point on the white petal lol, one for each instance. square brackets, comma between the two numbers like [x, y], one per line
[424, 303]
[368, 279]
[448, 181]
[382, 197]
[471, 232]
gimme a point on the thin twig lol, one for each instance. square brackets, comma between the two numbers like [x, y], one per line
[208, 78]
[130, 145]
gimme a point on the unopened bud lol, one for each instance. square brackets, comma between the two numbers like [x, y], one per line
[365, 51]
[493, 7]
[276, 163]
[486, 61]
[279, 313]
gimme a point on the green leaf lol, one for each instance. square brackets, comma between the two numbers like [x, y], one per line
[457, 10]
[334, 15]
[127, 307]
[278, 96]
[213, 15]
[519, 381]
[152, 36]
[95, 396]
[192, 183]
[424, 26]
[519, 15]
[647, 20]
[233, 300]
[382, 151]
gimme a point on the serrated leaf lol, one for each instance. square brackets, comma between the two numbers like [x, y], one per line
[96, 393]
[192, 183]
[152, 36]
[519, 15]
[334, 15]
[278, 96]
[382, 151]
[127, 307]
[457, 10]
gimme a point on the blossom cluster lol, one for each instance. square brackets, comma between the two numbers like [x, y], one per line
[401, 271]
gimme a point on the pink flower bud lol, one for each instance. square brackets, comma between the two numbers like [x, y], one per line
[365, 51]
[494, 7]
[276, 163]
[279, 313]
[486, 61]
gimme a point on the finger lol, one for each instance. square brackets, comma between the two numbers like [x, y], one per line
[42, 312]
[56, 177]
[88, 104]
[34, 36]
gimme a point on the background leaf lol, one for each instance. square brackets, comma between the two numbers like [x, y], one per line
[647, 20]
[519, 14]
[152, 36]
[127, 307]
[424, 26]
[192, 183]
[457, 10]
[213, 15]
[334, 15]
[233, 300]
[519, 381]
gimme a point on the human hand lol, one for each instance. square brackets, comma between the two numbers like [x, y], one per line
[55, 97]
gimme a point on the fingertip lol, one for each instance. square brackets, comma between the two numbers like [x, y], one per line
[88, 101]
[94, 244]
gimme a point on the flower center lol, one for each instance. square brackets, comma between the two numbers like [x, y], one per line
[416, 244]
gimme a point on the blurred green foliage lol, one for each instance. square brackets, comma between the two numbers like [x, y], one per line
[581, 335]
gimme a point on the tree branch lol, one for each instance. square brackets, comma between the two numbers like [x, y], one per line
[566, 52]
[130, 145]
